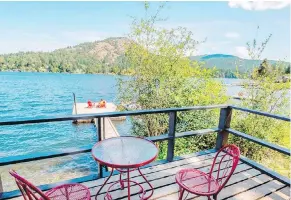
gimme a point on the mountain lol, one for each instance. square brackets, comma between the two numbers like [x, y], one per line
[229, 62]
[91, 57]
[106, 56]
[109, 49]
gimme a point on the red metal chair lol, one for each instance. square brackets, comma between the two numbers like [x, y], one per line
[62, 192]
[204, 184]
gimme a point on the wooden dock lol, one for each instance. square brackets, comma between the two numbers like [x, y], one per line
[107, 127]
[81, 108]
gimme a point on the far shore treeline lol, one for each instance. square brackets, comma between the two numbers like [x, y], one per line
[108, 57]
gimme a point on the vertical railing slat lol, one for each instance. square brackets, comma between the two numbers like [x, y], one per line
[171, 141]
[100, 167]
[224, 122]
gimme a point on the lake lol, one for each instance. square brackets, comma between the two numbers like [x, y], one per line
[39, 95]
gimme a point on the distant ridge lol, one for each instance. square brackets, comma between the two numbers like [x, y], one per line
[229, 62]
[105, 56]
[205, 57]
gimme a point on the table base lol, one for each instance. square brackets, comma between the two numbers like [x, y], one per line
[142, 192]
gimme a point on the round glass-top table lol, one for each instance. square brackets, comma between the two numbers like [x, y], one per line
[125, 154]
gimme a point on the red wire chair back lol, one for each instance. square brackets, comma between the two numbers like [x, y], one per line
[27, 189]
[224, 164]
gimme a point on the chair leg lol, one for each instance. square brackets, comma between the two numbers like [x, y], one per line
[215, 196]
[181, 193]
[208, 197]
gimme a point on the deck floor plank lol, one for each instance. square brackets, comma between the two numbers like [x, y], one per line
[282, 194]
[260, 191]
[154, 169]
[157, 179]
[170, 180]
[246, 182]
[242, 172]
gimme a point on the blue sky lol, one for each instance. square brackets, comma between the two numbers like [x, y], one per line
[45, 26]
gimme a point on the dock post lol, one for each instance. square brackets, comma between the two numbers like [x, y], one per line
[75, 103]
[224, 122]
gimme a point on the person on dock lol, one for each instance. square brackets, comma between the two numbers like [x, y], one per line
[101, 104]
[90, 104]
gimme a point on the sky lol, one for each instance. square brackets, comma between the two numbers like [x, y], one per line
[226, 26]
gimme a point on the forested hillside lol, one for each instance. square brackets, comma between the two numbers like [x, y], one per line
[228, 65]
[92, 57]
[107, 56]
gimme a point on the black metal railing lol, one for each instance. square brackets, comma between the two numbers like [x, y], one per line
[223, 131]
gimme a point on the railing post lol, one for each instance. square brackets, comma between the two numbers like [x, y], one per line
[224, 122]
[100, 167]
[1, 187]
[103, 127]
[171, 141]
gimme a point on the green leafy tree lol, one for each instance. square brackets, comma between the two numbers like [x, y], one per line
[163, 76]
[263, 92]
[287, 70]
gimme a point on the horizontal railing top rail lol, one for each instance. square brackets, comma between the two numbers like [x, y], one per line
[107, 114]
[280, 117]
[136, 112]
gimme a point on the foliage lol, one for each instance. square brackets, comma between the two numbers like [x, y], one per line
[287, 70]
[263, 91]
[163, 77]
[82, 58]
[228, 65]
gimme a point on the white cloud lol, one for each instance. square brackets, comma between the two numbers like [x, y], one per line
[232, 35]
[242, 52]
[259, 4]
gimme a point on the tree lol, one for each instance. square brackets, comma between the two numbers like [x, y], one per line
[163, 76]
[264, 67]
[287, 70]
[263, 92]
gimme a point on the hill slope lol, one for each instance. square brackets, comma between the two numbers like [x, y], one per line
[228, 62]
[90, 57]
[106, 56]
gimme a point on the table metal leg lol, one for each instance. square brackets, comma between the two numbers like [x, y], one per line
[142, 192]
[128, 184]
[152, 189]
[104, 184]
[121, 181]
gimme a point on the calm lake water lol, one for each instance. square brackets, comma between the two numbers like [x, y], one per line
[36, 95]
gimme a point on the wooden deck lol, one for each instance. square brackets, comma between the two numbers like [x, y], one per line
[246, 183]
